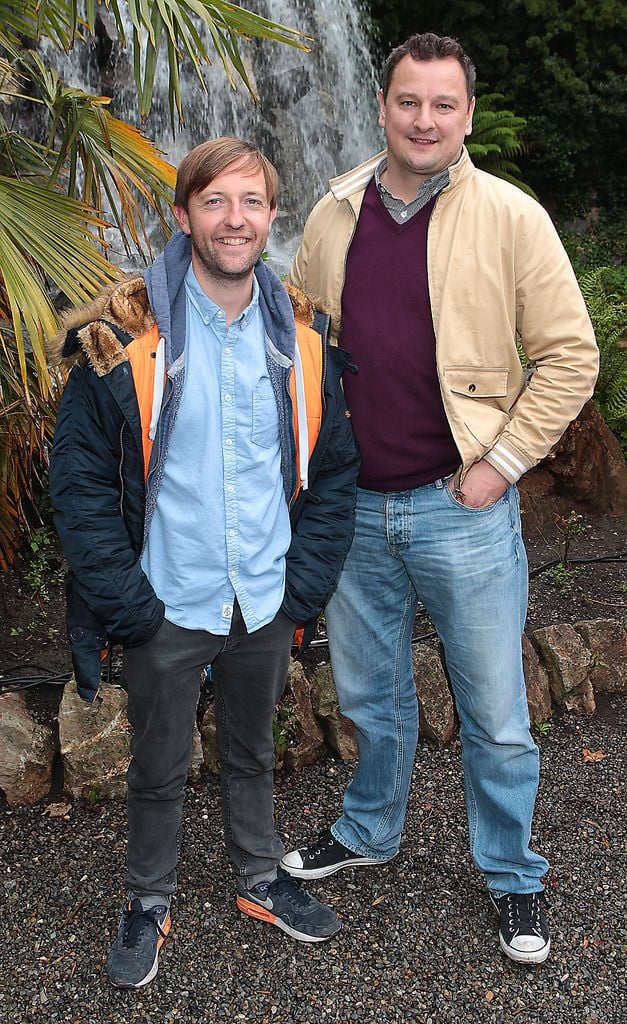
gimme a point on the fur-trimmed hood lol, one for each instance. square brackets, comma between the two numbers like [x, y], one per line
[87, 331]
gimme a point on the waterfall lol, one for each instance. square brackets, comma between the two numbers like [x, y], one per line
[317, 112]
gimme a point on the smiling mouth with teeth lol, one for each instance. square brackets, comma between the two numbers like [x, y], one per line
[233, 241]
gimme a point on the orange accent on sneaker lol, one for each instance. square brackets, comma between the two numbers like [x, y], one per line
[254, 910]
[164, 931]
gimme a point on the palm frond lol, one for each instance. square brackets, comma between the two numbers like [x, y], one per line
[44, 235]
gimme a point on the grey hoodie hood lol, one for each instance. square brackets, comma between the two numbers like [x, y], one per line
[166, 294]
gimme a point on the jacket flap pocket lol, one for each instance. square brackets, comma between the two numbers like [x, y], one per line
[477, 381]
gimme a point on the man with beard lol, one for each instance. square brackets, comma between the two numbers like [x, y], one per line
[203, 476]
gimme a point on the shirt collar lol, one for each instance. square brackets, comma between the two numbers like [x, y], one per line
[208, 309]
[431, 185]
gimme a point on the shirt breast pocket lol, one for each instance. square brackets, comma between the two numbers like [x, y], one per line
[265, 427]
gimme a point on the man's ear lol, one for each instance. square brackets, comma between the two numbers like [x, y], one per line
[182, 219]
[471, 110]
[381, 99]
[273, 214]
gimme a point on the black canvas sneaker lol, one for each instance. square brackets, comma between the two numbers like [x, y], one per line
[323, 858]
[523, 932]
[133, 957]
[286, 904]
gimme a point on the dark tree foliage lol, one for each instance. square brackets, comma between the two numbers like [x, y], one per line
[561, 64]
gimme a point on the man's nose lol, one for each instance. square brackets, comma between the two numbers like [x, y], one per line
[235, 216]
[423, 117]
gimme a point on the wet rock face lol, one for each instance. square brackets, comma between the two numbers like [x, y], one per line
[27, 753]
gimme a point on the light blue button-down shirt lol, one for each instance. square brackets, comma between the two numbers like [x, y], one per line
[221, 526]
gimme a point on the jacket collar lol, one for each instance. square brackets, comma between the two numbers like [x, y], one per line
[346, 185]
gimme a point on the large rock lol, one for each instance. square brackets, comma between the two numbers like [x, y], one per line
[95, 742]
[437, 712]
[537, 684]
[339, 731]
[607, 641]
[568, 662]
[27, 753]
[586, 467]
[300, 737]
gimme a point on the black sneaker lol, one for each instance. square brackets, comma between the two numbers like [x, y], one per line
[523, 932]
[286, 904]
[325, 857]
[134, 954]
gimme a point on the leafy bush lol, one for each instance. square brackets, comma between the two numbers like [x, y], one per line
[608, 312]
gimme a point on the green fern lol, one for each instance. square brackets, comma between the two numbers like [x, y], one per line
[497, 139]
[608, 312]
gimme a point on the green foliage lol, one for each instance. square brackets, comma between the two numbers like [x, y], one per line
[608, 312]
[496, 139]
[561, 64]
[283, 728]
[561, 576]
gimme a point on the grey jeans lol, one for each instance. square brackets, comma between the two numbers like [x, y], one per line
[162, 677]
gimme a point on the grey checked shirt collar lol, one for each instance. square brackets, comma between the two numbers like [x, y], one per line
[399, 210]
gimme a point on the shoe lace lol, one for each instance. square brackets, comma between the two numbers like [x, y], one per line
[523, 912]
[293, 890]
[324, 841]
[136, 920]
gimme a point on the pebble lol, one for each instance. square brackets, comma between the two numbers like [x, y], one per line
[419, 941]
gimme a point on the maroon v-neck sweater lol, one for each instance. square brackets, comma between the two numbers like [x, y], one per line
[394, 399]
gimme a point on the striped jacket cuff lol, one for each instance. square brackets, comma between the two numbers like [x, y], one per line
[508, 463]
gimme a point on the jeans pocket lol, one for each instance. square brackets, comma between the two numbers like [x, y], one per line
[471, 508]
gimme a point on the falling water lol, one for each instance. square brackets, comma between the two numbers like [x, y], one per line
[317, 110]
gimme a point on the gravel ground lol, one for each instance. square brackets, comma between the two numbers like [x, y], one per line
[419, 941]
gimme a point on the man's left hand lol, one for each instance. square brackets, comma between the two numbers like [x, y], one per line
[483, 485]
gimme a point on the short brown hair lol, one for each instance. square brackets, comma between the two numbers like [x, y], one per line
[428, 46]
[207, 161]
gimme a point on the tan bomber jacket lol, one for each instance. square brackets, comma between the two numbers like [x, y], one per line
[497, 270]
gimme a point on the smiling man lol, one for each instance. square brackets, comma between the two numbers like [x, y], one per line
[434, 269]
[203, 476]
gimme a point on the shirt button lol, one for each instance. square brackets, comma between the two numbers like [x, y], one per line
[403, 213]
[472, 387]
[229, 442]
[230, 488]
[232, 533]
[227, 350]
[227, 398]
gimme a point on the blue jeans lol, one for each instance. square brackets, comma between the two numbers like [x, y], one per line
[469, 569]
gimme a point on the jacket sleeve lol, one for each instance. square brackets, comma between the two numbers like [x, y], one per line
[86, 487]
[323, 517]
[558, 339]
